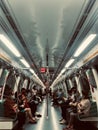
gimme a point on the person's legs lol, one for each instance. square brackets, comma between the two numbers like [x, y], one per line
[63, 113]
[21, 116]
[28, 110]
[72, 118]
[33, 107]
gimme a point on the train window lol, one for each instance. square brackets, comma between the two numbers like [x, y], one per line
[92, 83]
[4, 76]
[74, 82]
[25, 83]
[16, 83]
[20, 85]
[28, 85]
[3, 80]
[68, 84]
[11, 80]
[84, 82]
[91, 78]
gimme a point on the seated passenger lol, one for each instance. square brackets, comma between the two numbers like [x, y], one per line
[64, 106]
[83, 107]
[30, 100]
[24, 107]
[10, 107]
[33, 103]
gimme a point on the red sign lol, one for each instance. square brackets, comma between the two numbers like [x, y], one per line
[43, 70]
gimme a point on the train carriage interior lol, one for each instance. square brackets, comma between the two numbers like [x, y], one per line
[48, 64]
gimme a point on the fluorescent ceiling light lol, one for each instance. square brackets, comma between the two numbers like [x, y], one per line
[25, 62]
[32, 71]
[85, 43]
[69, 62]
[10, 45]
[63, 70]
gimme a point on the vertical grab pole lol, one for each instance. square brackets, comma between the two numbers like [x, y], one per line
[47, 87]
[47, 73]
[47, 101]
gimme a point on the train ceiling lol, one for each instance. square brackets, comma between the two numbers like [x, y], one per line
[46, 32]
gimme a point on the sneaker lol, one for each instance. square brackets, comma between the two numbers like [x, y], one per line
[63, 121]
[38, 115]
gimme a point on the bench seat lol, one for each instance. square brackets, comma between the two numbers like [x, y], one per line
[89, 119]
[7, 123]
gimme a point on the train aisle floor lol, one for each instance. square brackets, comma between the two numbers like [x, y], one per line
[49, 120]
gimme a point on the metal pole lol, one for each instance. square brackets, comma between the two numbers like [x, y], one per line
[47, 87]
[47, 101]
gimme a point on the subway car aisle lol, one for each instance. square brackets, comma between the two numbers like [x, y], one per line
[50, 122]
